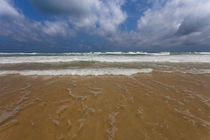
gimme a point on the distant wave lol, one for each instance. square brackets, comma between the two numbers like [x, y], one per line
[157, 57]
[104, 53]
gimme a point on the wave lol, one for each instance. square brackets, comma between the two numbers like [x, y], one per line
[192, 71]
[105, 53]
[96, 72]
[79, 72]
[106, 58]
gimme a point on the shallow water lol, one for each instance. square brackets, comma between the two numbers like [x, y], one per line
[155, 105]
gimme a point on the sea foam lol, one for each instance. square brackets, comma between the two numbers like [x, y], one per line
[107, 57]
[81, 72]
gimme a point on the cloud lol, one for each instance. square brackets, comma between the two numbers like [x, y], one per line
[173, 23]
[65, 7]
[56, 28]
[7, 9]
[18, 27]
[193, 24]
[14, 25]
[171, 15]
[102, 16]
[162, 25]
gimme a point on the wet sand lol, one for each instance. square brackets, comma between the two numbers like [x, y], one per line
[153, 106]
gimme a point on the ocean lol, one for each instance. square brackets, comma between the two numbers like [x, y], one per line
[105, 96]
[102, 63]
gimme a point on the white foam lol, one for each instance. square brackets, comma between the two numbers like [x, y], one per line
[192, 71]
[204, 53]
[161, 57]
[200, 71]
[82, 72]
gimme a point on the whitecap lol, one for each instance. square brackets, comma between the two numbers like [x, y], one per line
[80, 72]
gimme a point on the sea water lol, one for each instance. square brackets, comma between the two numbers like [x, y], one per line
[101, 63]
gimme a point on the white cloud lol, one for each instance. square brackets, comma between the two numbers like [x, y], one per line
[55, 28]
[16, 26]
[160, 24]
[93, 16]
[7, 9]
[168, 18]
[111, 16]
[102, 16]
[167, 24]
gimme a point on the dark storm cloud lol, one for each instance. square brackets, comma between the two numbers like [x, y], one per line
[192, 25]
[66, 7]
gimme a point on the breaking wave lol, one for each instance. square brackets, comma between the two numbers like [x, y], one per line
[80, 72]
[17, 58]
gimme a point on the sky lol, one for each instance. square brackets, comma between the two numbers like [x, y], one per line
[104, 25]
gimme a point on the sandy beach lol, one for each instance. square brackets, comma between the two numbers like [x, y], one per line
[104, 69]
[152, 106]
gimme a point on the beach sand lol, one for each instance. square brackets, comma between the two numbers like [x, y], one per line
[152, 106]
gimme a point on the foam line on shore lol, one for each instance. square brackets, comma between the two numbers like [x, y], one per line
[80, 72]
